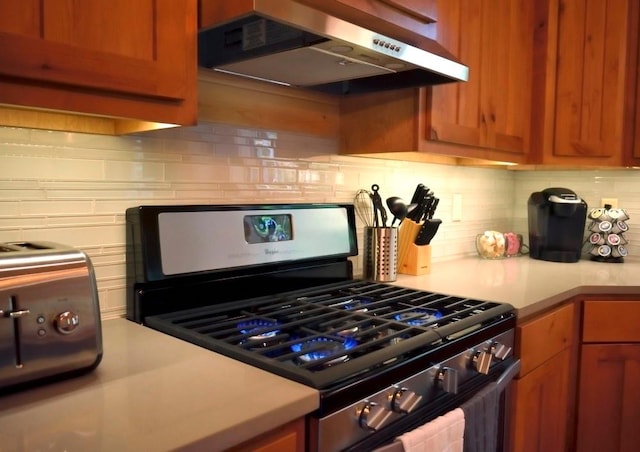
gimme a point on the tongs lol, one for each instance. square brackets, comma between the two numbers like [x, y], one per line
[378, 207]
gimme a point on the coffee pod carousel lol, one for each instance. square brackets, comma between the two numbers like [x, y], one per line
[605, 240]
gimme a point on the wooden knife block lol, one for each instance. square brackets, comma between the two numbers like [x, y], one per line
[417, 261]
[412, 259]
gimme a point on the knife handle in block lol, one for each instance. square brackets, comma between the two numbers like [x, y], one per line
[406, 237]
[417, 261]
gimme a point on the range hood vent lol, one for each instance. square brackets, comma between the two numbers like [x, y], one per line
[287, 43]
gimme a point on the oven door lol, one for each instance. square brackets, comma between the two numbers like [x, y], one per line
[387, 440]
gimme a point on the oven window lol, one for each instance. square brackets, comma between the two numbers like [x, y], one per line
[267, 228]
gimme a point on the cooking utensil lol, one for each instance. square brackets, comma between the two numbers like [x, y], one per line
[398, 208]
[427, 232]
[363, 203]
[433, 207]
[422, 206]
[417, 194]
[378, 208]
[417, 199]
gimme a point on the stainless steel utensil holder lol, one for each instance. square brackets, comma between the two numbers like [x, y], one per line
[381, 254]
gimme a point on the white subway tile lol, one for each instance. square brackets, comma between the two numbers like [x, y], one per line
[75, 188]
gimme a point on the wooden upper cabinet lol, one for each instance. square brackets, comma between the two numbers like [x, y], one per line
[587, 115]
[120, 58]
[493, 109]
[485, 118]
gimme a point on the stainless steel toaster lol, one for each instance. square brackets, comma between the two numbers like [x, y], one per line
[49, 314]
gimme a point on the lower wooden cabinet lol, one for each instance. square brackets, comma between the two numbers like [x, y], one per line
[609, 391]
[579, 385]
[609, 398]
[540, 414]
[540, 399]
[288, 438]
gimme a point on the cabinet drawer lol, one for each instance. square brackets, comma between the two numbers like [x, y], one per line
[611, 321]
[541, 338]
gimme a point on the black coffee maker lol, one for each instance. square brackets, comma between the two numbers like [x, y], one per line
[557, 218]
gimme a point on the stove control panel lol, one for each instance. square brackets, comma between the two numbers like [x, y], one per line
[382, 408]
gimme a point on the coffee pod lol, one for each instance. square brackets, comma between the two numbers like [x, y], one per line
[601, 251]
[596, 238]
[619, 226]
[613, 239]
[618, 214]
[596, 214]
[619, 251]
[605, 226]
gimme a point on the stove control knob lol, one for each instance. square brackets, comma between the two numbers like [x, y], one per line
[66, 322]
[500, 351]
[448, 378]
[402, 400]
[482, 361]
[371, 416]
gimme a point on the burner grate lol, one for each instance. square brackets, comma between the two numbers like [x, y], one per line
[327, 332]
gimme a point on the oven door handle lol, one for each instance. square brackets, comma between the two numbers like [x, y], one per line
[508, 375]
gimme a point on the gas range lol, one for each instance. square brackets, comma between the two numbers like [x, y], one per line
[272, 286]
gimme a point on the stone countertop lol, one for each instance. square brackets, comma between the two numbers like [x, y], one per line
[152, 392]
[529, 285]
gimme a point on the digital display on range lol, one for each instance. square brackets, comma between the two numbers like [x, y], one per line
[267, 228]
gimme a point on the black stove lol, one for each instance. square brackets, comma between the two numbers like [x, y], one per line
[273, 286]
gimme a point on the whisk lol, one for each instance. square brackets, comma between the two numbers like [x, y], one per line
[363, 204]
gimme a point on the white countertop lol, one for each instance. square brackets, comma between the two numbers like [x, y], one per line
[152, 392]
[529, 285]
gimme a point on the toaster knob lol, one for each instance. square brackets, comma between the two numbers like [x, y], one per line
[66, 322]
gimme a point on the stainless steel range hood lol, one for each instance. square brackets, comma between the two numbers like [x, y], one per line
[284, 42]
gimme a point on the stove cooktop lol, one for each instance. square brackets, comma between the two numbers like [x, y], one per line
[323, 335]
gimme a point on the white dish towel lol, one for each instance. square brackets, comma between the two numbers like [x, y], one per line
[443, 434]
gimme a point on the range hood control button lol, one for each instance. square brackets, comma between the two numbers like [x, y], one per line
[66, 322]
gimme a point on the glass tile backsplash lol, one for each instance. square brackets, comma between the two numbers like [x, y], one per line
[74, 188]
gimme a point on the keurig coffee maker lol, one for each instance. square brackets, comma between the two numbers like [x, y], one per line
[556, 225]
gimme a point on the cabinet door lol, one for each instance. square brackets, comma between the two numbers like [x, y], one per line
[115, 45]
[590, 43]
[609, 398]
[539, 409]
[492, 110]
[288, 438]
[142, 49]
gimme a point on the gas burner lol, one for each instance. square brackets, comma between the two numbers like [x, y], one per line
[355, 304]
[418, 317]
[324, 347]
[261, 333]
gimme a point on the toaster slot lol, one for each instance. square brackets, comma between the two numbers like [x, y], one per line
[24, 246]
[7, 247]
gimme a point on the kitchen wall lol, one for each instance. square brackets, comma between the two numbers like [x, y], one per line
[74, 188]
